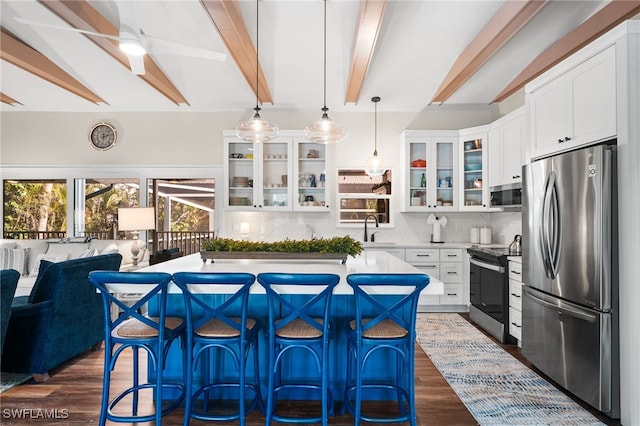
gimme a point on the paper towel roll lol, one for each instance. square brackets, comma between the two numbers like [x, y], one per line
[485, 235]
[436, 237]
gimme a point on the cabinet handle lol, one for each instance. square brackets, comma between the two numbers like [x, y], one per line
[452, 255]
[517, 272]
[452, 273]
[429, 266]
[567, 138]
[516, 325]
[560, 140]
[515, 177]
[516, 295]
[423, 255]
[452, 294]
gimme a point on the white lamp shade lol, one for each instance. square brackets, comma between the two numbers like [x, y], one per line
[136, 219]
[374, 166]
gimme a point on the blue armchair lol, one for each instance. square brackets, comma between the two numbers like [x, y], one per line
[8, 283]
[61, 318]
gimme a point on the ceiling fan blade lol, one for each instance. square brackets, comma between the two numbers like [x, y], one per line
[58, 27]
[156, 45]
[136, 63]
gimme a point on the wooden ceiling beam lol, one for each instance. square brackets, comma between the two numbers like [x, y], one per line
[368, 26]
[226, 16]
[80, 14]
[23, 56]
[6, 99]
[611, 14]
[509, 19]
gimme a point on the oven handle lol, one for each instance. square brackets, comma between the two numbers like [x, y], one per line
[485, 265]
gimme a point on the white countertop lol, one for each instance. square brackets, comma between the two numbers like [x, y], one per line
[371, 262]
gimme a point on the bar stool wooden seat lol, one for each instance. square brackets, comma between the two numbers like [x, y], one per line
[223, 329]
[135, 331]
[383, 327]
[299, 326]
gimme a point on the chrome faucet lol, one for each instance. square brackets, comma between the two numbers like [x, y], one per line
[366, 237]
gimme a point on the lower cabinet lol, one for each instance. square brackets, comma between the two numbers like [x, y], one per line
[515, 300]
[447, 265]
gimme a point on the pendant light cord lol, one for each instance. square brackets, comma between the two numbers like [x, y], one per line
[257, 58]
[375, 101]
[325, 57]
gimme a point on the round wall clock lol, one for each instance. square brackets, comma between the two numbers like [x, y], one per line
[103, 136]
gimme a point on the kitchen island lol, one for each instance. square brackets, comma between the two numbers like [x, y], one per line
[342, 308]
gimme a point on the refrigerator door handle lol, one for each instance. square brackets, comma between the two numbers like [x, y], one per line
[562, 309]
[556, 226]
[545, 243]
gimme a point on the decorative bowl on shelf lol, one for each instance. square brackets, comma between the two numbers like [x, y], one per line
[419, 163]
[472, 167]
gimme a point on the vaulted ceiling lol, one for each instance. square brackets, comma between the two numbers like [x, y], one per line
[411, 53]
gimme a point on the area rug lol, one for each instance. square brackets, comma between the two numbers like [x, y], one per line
[494, 386]
[9, 380]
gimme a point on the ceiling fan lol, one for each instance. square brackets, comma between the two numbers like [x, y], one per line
[134, 42]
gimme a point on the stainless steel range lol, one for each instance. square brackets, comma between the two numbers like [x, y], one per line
[489, 287]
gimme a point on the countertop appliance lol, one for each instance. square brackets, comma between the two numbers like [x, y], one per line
[570, 289]
[489, 290]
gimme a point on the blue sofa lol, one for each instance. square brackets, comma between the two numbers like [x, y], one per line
[61, 318]
[8, 284]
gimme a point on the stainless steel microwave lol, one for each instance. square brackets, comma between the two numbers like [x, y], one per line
[507, 197]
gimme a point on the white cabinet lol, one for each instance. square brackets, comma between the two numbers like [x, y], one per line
[257, 175]
[284, 174]
[473, 169]
[505, 139]
[431, 166]
[515, 300]
[447, 265]
[311, 180]
[575, 108]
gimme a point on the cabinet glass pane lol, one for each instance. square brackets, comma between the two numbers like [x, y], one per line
[472, 164]
[444, 174]
[275, 178]
[418, 173]
[240, 177]
[311, 175]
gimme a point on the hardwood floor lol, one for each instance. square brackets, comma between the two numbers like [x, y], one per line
[72, 397]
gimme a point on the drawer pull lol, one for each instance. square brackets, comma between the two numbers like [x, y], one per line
[429, 266]
[452, 273]
[517, 272]
[452, 255]
[516, 325]
[452, 294]
[423, 255]
[515, 295]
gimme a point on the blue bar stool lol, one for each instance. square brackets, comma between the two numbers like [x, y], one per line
[137, 331]
[299, 327]
[383, 326]
[224, 329]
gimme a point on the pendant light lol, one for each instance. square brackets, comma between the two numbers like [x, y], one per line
[325, 130]
[256, 129]
[375, 165]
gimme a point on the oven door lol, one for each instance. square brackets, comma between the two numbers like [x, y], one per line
[487, 288]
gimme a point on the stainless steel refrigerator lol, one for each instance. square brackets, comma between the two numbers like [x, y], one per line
[570, 267]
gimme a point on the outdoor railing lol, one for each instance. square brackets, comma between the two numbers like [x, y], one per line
[34, 235]
[187, 241]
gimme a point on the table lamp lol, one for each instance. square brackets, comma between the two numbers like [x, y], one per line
[136, 219]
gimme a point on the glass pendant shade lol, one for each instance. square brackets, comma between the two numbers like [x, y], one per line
[256, 129]
[374, 166]
[325, 131]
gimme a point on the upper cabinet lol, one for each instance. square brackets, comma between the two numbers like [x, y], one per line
[284, 174]
[431, 166]
[506, 137]
[257, 175]
[575, 108]
[473, 169]
[310, 171]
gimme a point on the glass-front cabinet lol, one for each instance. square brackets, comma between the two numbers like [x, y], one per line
[473, 170]
[311, 180]
[257, 175]
[432, 170]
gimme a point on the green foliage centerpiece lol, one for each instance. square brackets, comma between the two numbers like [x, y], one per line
[317, 248]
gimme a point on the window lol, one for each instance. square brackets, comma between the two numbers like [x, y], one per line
[35, 208]
[360, 195]
[97, 202]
